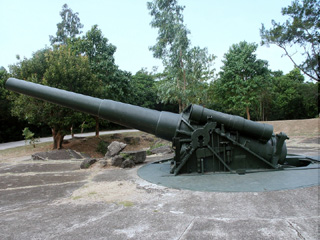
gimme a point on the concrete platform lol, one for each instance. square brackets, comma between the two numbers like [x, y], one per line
[290, 178]
[57, 200]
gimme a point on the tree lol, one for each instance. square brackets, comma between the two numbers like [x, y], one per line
[293, 98]
[199, 73]
[10, 127]
[242, 80]
[179, 59]
[61, 68]
[100, 54]
[144, 89]
[68, 28]
[302, 29]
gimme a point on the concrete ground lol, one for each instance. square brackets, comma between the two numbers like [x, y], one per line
[57, 200]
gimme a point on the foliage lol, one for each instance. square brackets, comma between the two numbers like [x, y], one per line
[100, 55]
[144, 89]
[293, 98]
[186, 69]
[68, 28]
[242, 81]
[29, 137]
[283, 97]
[172, 40]
[302, 29]
[114, 83]
[60, 68]
[102, 147]
[10, 127]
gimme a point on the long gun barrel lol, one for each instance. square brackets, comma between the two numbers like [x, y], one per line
[204, 140]
[161, 124]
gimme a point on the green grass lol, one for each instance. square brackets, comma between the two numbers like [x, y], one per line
[126, 203]
[126, 156]
[76, 197]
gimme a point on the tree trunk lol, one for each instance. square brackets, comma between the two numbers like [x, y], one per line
[184, 83]
[57, 138]
[248, 113]
[71, 130]
[97, 126]
[180, 105]
[82, 126]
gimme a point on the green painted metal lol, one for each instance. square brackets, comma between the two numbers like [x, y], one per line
[204, 140]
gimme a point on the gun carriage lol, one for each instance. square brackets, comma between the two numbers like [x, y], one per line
[204, 140]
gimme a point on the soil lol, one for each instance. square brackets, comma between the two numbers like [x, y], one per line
[303, 133]
[293, 128]
[89, 145]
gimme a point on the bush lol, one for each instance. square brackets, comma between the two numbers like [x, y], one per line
[102, 147]
[29, 136]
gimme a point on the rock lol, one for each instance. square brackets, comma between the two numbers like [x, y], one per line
[162, 149]
[114, 148]
[116, 136]
[87, 163]
[146, 138]
[135, 156]
[132, 140]
[103, 163]
[127, 164]
[62, 154]
[117, 161]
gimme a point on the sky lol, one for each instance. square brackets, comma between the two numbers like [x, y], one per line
[25, 27]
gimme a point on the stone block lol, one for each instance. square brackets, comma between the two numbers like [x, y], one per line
[135, 156]
[115, 148]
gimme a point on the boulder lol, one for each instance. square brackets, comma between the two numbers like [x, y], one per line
[147, 138]
[127, 164]
[114, 148]
[61, 154]
[116, 136]
[103, 163]
[87, 163]
[117, 161]
[162, 149]
[135, 156]
[132, 140]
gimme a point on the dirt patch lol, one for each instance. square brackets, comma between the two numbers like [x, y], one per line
[90, 145]
[123, 192]
[315, 140]
[87, 145]
[15, 154]
[304, 127]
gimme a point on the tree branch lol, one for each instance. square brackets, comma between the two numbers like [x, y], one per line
[296, 65]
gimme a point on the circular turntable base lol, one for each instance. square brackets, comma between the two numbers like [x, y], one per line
[290, 178]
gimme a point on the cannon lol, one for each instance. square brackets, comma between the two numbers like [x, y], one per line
[204, 140]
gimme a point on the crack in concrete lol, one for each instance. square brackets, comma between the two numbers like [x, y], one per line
[91, 220]
[42, 185]
[298, 233]
[187, 228]
[26, 174]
